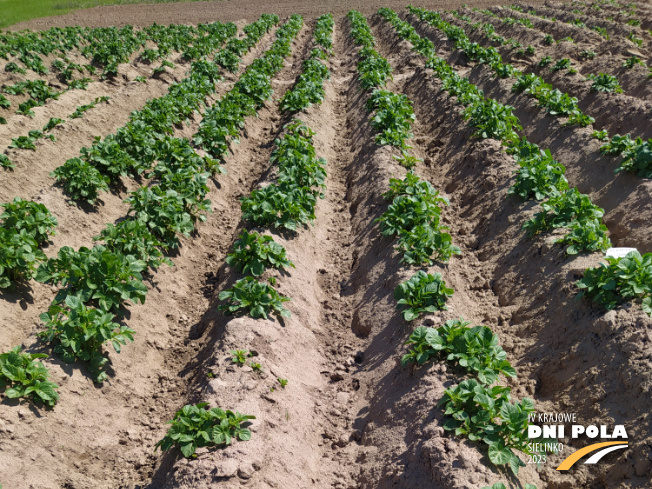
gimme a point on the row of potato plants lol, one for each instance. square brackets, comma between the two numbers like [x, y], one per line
[556, 102]
[602, 82]
[25, 226]
[578, 23]
[108, 47]
[285, 205]
[540, 176]
[147, 136]
[97, 283]
[623, 279]
[475, 407]
[414, 213]
[223, 122]
[28, 142]
[253, 253]
[309, 87]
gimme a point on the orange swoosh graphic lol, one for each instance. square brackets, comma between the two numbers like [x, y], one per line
[575, 456]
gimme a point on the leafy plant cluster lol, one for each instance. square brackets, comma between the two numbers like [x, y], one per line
[539, 175]
[474, 350]
[636, 153]
[22, 376]
[223, 122]
[194, 426]
[421, 293]
[579, 215]
[623, 279]
[487, 414]
[393, 118]
[309, 87]
[250, 296]
[603, 82]
[25, 227]
[253, 253]
[414, 216]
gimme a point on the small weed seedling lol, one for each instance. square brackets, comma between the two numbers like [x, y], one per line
[240, 356]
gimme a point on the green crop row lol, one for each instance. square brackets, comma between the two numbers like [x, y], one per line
[223, 122]
[540, 176]
[636, 153]
[24, 228]
[557, 103]
[309, 87]
[97, 283]
[146, 137]
[414, 216]
[473, 408]
[281, 205]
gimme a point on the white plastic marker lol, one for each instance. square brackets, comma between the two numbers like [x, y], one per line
[619, 252]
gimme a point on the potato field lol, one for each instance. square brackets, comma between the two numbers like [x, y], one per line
[336, 249]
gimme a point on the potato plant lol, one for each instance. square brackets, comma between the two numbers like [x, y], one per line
[414, 216]
[475, 350]
[621, 280]
[131, 237]
[194, 426]
[19, 257]
[78, 332]
[258, 299]
[421, 293]
[576, 212]
[486, 414]
[80, 180]
[21, 376]
[34, 218]
[253, 253]
[96, 276]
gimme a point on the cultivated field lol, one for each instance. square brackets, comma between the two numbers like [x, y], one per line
[367, 233]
